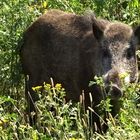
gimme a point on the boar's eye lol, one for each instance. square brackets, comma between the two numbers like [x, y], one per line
[130, 52]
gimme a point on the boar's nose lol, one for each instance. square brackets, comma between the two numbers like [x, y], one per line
[112, 77]
[114, 92]
[113, 84]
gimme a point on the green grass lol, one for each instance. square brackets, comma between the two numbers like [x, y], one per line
[67, 120]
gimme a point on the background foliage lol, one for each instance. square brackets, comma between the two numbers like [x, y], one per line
[15, 17]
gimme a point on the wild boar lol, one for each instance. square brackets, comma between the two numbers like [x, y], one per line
[72, 49]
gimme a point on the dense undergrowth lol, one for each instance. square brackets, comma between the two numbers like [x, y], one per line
[67, 122]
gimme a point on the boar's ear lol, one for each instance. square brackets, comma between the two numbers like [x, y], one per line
[98, 29]
[137, 35]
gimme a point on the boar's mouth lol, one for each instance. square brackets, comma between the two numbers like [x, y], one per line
[114, 92]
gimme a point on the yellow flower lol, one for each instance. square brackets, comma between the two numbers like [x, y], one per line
[47, 86]
[44, 4]
[37, 88]
[123, 75]
[58, 86]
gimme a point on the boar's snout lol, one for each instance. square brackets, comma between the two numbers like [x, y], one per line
[113, 84]
[114, 92]
[112, 77]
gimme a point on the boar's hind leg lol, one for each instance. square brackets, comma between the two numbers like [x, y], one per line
[31, 98]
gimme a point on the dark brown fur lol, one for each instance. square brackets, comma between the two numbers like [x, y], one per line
[72, 49]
